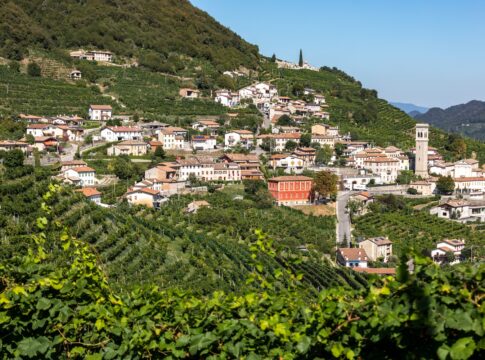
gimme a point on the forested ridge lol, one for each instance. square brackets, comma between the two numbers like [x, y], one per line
[153, 28]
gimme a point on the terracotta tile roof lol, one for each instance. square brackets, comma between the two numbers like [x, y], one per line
[13, 142]
[209, 123]
[280, 136]
[124, 128]
[278, 156]
[80, 169]
[353, 254]
[155, 143]
[242, 132]
[291, 178]
[131, 142]
[74, 163]
[144, 190]
[466, 179]
[101, 107]
[381, 160]
[88, 192]
[37, 126]
[235, 157]
[454, 242]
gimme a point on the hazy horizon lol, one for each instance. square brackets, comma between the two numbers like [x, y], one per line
[424, 53]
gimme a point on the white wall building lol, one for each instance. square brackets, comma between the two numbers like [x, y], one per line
[100, 112]
[121, 133]
[243, 138]
[203, 142]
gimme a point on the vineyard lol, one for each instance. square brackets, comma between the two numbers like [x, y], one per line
[152, 94]
[71, 311]
[201, 252]
[415, 229]
[20, 93]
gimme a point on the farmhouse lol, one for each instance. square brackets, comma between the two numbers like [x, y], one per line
[100, 112]
[91, 194]
[461, 210]
[144, 196]
[243, 138]
[352, 257]
[446, 248]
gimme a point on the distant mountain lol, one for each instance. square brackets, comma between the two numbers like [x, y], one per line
[414, 113]
[409, 108]
[467, 119]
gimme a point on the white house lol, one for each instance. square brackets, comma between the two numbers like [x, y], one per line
[352, 257]
[210, 125]
[100, 112]
[243, 138]
[81, 175]
[350, 181]
[461, 210]
[172, 138]
[447, 246]
[227, 98]
[386, 168]
[37, 130]
[470, 184]
[121, 133]
[377, 248]
[203, 142]
[279, 140]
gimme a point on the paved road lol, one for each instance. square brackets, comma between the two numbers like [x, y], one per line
[343, 219]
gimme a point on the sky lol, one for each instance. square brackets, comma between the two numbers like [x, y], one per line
[426, 52]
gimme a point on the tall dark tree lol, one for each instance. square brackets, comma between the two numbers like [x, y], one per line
[300, 60]
[273, 58]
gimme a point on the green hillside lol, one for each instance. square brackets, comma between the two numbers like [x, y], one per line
[361, 113]
[201, 252]
[156, 29]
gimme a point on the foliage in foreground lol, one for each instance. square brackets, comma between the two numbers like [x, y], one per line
[71, 312]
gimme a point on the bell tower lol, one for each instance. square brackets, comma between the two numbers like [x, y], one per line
[421, 160]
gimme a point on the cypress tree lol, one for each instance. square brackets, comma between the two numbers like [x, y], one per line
[300, 61]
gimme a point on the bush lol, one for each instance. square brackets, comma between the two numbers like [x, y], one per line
[33, 69]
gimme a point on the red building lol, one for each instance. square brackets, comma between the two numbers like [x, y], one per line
[291, 190]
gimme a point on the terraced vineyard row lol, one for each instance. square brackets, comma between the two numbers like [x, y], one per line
[169, 248]
[418, 230]
[23, 93]
[153, 94]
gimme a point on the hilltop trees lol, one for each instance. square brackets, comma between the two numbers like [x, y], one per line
[324, 155]
[445, 185]
[325, 184]
[13, 158]
[33, 69]
[300, 59]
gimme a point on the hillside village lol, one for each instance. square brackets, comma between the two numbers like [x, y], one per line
[295, 141]
[169, 192]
